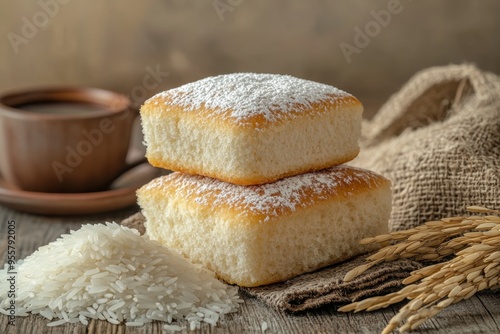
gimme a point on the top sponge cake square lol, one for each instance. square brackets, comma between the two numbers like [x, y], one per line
[248, 129]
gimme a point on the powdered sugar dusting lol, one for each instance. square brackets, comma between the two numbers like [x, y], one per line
[242, 96]
[272, 199]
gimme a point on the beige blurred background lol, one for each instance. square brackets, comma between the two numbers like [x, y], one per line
[116, 44]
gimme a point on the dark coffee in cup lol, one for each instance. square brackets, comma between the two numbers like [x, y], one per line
[59, 108]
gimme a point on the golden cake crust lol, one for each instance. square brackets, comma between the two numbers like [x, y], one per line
[259, 203]
[249, 100]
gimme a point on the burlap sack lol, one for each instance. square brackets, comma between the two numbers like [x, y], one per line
[438, 141]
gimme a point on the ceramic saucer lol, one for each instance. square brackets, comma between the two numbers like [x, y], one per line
[121, 194]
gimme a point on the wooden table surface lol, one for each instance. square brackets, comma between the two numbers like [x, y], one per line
[480, 314]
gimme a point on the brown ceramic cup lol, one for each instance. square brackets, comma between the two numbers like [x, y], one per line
[64, 139]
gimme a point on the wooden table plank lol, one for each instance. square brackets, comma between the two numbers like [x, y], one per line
[480, 314]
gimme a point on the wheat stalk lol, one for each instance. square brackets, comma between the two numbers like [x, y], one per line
[475, 243]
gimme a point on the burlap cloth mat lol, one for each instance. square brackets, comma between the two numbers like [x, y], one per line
[325, 286]
[438, 141]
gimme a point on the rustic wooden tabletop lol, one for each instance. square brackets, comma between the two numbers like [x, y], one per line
[480, 314]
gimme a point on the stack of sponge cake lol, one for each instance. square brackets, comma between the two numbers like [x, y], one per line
[259, 194]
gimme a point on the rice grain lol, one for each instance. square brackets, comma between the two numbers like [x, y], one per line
[110, 272]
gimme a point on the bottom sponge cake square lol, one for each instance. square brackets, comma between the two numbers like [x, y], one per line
[257, 235]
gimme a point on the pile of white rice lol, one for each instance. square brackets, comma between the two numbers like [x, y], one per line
[110, 272]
